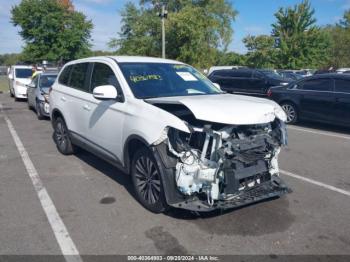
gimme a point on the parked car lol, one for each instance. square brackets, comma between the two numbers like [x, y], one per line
[289, 74]
[342, 70]
[247, 81]
[38, 93]
[215, 68]
[323, 98]
[185, 143]
[19, 77]
[305, 72]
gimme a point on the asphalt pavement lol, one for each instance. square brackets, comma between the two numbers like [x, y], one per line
[95, 202]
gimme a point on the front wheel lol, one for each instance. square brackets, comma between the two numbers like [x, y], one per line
[38, 111]
[147, 181]
[61, 137]
[291, 112]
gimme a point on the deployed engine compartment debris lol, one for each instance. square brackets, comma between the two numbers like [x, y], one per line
[218, 162]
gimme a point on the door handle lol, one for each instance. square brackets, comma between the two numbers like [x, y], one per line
[63, 99]
[86, 107]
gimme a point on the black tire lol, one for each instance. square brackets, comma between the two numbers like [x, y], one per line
[61, 137]
[291, 111]
[38, 111]
[11, 94]
[147, 181]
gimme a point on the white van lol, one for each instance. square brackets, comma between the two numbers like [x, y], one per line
[19, 77]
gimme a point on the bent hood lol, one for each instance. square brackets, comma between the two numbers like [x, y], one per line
[227, 108]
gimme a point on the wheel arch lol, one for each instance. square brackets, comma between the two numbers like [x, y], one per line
[56, 113]
[131, 145]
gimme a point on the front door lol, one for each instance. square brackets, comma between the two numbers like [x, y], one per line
[106, 117]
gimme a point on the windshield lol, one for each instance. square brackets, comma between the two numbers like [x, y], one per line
[23, 72]
[150, 80]
[47, 81]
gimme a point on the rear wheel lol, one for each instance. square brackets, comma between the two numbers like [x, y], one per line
[291, 112]
[61, 137]
[147, 181]
[11, 93]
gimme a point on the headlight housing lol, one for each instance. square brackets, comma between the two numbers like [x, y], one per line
[279, 112]
[46, 97]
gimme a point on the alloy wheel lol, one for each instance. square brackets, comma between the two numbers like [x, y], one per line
[290, 112]
[61, 135]
[147, 179]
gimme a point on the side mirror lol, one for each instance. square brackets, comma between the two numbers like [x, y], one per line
[217, 86]
[31, 85]
[105, 92]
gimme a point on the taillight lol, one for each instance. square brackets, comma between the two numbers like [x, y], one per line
[269, 92]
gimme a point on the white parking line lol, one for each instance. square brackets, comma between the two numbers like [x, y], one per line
[63, 238]
[329, 187]
[319, 132]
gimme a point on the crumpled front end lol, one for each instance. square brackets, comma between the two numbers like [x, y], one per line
[224, 166]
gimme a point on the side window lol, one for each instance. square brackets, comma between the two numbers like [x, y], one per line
[342, 85]
[258, 75]
[241, 73]
[64, 76]
[222, 73]
[103, 75]
[318, 85]
[77, 78]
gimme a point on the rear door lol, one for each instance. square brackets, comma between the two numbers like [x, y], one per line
[317, 101]
[258, 84]
[342, 101]
[72, 92]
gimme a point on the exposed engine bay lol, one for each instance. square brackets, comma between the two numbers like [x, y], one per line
[219, 163]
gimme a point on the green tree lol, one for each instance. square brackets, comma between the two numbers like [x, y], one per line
[261, 51]
[51, 31]
[10, 59]
[340, 39]
[195, 30]
[300, 43]
[230, 58]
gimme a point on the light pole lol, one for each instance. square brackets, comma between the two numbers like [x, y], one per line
[163, 15]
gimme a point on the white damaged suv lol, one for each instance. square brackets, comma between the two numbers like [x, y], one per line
[185, 143]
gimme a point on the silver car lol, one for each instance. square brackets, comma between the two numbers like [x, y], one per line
[38, 93]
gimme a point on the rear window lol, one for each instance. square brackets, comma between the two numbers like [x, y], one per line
[318, 85]
[77, 78]
[23, 72]
[342, 85]
[64, 76]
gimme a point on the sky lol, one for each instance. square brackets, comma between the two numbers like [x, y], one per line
[254, 17]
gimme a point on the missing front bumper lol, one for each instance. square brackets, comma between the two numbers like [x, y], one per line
[270, 189]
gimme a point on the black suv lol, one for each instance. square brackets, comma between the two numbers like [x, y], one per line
[247, 81]
[322, 98]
